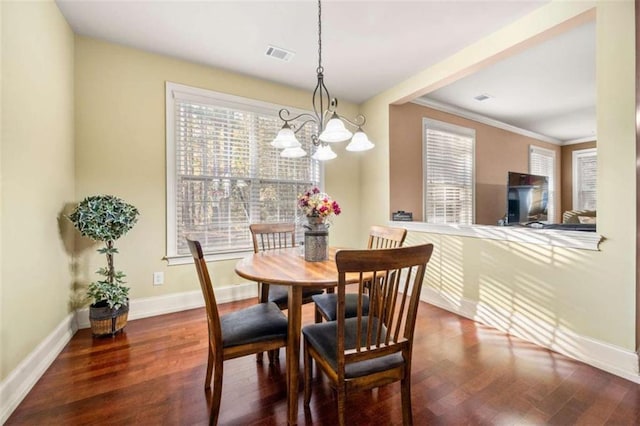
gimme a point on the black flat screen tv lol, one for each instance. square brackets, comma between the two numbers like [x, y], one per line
[527, 198]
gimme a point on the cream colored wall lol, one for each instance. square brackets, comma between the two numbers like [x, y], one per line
[120, 149]
[37, 175]
[588, 293]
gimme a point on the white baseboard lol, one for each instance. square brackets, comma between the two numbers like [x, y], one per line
[19, 382]
[159, 305]
[607, 357]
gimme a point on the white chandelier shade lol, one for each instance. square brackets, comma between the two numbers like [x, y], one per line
[360, 142]
[295, 152]
[324, 153]
[286, 138]
[335, 131]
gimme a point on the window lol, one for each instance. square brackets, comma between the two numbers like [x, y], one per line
[223, 174]
[585, 163]
[448, 163]
[542, 162]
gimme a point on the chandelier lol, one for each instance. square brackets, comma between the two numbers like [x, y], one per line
[326, 131]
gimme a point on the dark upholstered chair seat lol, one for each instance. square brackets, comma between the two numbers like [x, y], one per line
[257, 323]
[322, 336]
[279, 294]
[327, 305]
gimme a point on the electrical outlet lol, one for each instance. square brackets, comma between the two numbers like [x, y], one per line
[158, 278]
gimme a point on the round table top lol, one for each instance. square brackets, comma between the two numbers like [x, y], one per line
[288, 267]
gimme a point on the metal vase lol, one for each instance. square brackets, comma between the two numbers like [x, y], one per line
[316, 239]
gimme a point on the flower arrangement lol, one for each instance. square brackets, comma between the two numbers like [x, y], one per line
[316, 203]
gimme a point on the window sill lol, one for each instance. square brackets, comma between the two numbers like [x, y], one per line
[548, 237]
[186, 259]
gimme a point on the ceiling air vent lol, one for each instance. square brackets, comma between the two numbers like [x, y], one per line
[482, 97]
[279, 53]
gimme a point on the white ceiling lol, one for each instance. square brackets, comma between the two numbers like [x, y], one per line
[367, 45]
[549, 89]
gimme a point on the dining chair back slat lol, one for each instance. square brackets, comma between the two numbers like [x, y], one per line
[380, 237]
[271, 236]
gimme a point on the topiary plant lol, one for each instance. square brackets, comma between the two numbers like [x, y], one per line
[106, 218]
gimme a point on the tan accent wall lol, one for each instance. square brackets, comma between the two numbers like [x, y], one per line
[567, 172]
[37, 174]
[497, 152]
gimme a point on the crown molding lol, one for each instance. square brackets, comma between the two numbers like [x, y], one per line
[484, 120]
[581, 140]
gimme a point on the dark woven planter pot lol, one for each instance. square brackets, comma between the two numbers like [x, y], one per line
[106, 321]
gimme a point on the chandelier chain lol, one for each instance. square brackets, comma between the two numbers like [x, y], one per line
[320, 69]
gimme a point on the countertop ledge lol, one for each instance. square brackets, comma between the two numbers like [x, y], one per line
[518, 234]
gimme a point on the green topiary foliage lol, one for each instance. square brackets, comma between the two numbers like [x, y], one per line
[106, 218]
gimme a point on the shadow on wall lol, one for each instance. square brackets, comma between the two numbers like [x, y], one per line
[74, 245]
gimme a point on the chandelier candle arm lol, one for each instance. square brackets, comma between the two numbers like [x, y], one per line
[326, 131]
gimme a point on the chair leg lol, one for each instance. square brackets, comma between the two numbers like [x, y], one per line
[259, 357]
[318, 315]
[217, 392]
[273, 355]
[207, 378]
[405, 391]
[308, 373]
[341, 396]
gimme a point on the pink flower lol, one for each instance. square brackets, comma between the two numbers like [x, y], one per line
[316, 203]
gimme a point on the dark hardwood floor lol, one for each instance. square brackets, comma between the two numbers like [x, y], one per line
[463, 373]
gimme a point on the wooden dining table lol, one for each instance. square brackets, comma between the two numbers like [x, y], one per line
[288, 267]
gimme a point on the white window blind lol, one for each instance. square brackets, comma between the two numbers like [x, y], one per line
[542, 162]
[585, 167]
[448, 159]
[222, 172]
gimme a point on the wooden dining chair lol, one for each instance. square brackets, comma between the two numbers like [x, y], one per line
[259, 328]
[271, 236]
[380, 237]
[368, 351]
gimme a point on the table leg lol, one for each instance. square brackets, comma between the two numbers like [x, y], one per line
[293, 351]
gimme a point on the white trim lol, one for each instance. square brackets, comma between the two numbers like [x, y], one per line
[607, 357]
[170, 162]
[516, 234]
[176, 91]
[166, 304]
[484, 120]
[552, 204]
[575, 156]
[581, 140]
[187, 259]
[466, 132]
[15, 387]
